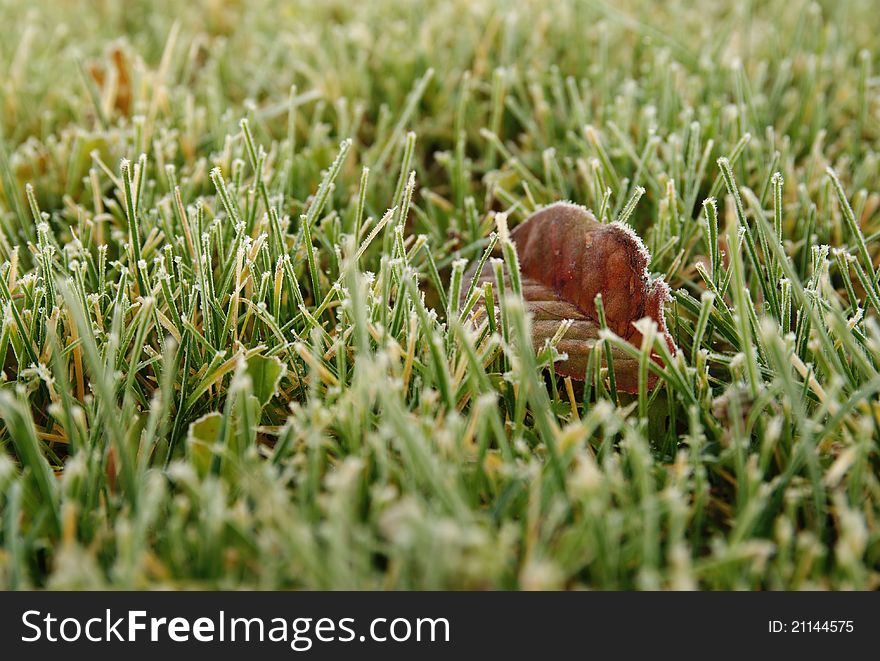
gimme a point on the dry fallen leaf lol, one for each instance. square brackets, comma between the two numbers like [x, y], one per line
[567, 257]
[113, 78]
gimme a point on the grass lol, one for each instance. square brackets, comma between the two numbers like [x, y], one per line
[232, 239]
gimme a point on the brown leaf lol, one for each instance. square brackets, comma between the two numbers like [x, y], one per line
[566, 258]
[121, 91]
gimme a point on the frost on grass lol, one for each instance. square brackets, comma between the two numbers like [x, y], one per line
[372, 439]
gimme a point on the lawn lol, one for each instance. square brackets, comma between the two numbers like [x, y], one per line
[239, 342]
